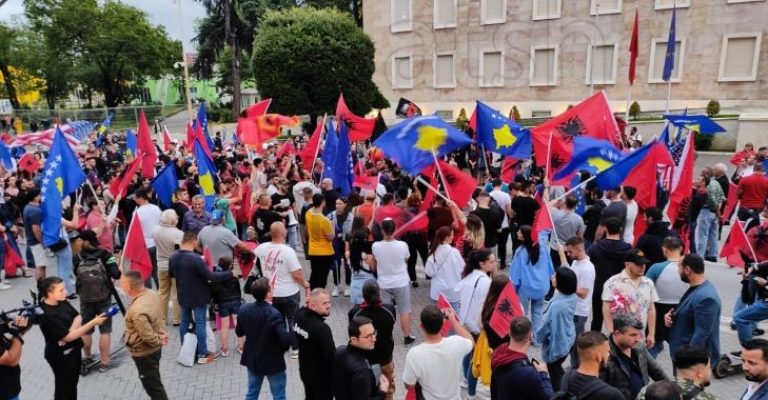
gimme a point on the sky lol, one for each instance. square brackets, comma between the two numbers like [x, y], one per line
[160, 12]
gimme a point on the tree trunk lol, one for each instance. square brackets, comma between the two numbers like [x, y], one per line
[50, 97]
[357, 12]
[230, 38]
[8, 78]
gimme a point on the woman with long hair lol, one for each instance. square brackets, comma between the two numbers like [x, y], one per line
[360, 256]
[473, 289]
[63, 329]
[530, 271]
[341, 220]
[558, 332]
[444, 266]
[474, 236]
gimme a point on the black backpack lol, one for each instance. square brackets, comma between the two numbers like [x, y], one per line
[92, 280]
[587, 390]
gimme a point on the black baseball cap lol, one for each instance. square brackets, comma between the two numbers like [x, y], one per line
[89, 236]
[636, 256]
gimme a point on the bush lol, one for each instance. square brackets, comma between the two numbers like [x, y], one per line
[634, 110]
[703, 142]
[713, 108]
[514, 114]
[462, 121]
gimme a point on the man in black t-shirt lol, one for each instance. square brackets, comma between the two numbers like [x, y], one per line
[584, 382]
[615, 208]
[264, 217]
[492, 216]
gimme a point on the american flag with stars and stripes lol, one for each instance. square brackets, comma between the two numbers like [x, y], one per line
[74, 132]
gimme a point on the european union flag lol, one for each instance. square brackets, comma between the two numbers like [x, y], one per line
[500, 134]
[581, 206]
[593, 155]
[614, 176]
[698, 123]
[202, 119]
[669, 60]
[62, 175]
[344, 173]
[5, 157]
[165, 184]
[413, 142]
[207, 174]
[329, 151]
[131, 142]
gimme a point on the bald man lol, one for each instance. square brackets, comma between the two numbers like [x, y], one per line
[279, 260]
[316, 346]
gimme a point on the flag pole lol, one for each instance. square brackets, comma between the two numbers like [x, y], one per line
[95, 196]
[125, 244]
[485, 160]
[592, 43]
[432, 188]
[549, 155]
[442, 177]
[317, 150]
[751, 250]
[573, 189]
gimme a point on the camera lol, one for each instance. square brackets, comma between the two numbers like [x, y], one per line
[30, 310]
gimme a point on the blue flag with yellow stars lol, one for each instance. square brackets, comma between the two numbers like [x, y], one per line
[62, 175]
[206, 172]
[131, 142]
[500, 134]
[165, 184]
[413, 142]
[589, 154]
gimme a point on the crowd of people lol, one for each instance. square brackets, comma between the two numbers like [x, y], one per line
[269, 211]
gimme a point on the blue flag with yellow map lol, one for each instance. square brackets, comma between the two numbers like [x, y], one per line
[62, 175]
[698, 123]
[207, 175]
[500, 134]
[590, 154]
[413, 142]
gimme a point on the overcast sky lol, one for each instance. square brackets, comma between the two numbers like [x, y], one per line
[161, 12]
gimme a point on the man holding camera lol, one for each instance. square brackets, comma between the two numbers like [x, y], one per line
[10, 354]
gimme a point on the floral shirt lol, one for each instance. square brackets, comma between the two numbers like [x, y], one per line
[629, 297]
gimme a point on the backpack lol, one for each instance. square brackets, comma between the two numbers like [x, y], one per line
[92, 280]
[586, 391]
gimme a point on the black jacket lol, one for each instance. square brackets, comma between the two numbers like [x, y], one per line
[514, 377]
[226, 290]
[316, 350]
[266, 338]
[383, 318]
[353, 378]
[650, 241]
[608, 257]
[617, 376]
[192, 278]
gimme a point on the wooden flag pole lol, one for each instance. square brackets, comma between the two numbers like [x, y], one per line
[125, 244]
[432, 188]
[442, 177]
[95, 196]
[485, 160]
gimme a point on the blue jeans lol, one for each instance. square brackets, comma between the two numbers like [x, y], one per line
[533, 309]
[64, 267]
[739, 305]
[276, 385]
[471, 380]
[293, 236]
[200, 314]
[706, 233]
[580, 323]
[747, 317]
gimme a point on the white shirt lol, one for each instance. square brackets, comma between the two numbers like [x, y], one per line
[585, 279]
[279, 260]
[391, 266]
[298, 192]
[437, 367]
[752, 388]
[629, 225]
[149, 216]
[445, 268]
[504, 201]
[472, 292]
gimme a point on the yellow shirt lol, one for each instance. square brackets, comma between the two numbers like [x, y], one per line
[318, 226]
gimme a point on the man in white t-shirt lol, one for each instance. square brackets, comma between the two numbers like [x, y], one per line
[670, 288]
[149, 216]
[505, 203]
[280, 265]
[391, 258]
[628, 195]
[585, 283]
[436, 364]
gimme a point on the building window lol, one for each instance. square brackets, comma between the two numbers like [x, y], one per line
[739, 57]
[402, 15]
[402, 72]
[443, 71]
[658, 55]
[541, 114]
[445, 115]
[669, 4]
[601, 64]
[605, 7]
[543, 66]
[493, 12]
[492, 69]
[546, 9]
[445, 14]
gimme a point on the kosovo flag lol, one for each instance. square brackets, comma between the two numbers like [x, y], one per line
[6, 160]
[207, 175]
[131, 142]
[616, 174]
[589, 154]
[202, 120]
[62, 175]
[415, 142]
[344, 167]
[698, 123]
[500, 134]
[165, 184]
[106, 123]
[329, 151]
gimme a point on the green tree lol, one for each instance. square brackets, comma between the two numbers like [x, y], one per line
[354, 7]
[634, 110]
[713, 108]
[7, 35]
[303, 57]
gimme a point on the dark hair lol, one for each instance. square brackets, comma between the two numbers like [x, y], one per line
[259, 288]
[575, 241]
[46, 285]
[530, 244]
[672, 243]
[694, 262]
[431, 319]
[388, 227]
[498, 283]
[440, 235]
[654, 213]
[359, 231]
[597, 192]
[688, 356]
[571, 202]
[622, 322]
[496, 182]
[225, 263]
[142, 193]
[317, 200]
[663, 390]
[474, 259]
[566, 280]
[757, 344]
[590, 339]
[371, 293]
[613, 225]
[519, 329]
[189, 236]
[630, 192]
[354, 325]
[387, 198]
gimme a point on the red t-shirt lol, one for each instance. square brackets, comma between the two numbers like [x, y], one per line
[754, 191]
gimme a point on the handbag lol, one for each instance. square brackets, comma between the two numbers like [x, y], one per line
[61, 244]
[187, 352]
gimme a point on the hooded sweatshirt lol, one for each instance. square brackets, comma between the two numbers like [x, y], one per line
[514, 377]
[608, 257]
[650, 241]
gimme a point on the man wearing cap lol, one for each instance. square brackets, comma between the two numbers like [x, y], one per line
[90, 251]
[631, 292]
[219, 240]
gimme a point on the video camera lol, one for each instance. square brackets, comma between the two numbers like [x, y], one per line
[30, 310]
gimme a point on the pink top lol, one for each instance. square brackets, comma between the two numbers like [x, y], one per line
[106, 240]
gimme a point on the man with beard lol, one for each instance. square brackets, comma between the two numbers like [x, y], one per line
[755, 356]
[696, 320]
[316, 346]
[694, 373]
[584, 382]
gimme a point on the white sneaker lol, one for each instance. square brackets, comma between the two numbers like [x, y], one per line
[335, 292]
[294, 354]
[346, 292]
[5, 286]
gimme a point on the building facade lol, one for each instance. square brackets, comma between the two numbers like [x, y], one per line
[542, 55]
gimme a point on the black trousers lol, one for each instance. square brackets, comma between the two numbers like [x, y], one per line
[597, 312]
[66, 374]
[315, 389]
[288, 306]
[149, 374]
[321, 266]
[153, 276]
[502, 248]
[417, 246]
[556, 372]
